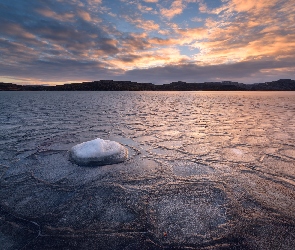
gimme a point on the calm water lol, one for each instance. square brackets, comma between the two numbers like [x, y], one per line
[206, 170]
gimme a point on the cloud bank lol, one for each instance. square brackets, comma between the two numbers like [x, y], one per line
[53, 42]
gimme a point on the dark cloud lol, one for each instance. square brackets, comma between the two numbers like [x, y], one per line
[36, 45]
[50, 71]
[129, 58]
[72, 40]
[132, 42]
[246, 72]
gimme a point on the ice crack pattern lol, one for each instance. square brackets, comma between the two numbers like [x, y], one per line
[206, 170]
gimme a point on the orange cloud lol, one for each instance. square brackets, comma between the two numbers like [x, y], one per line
[232, 49]
[191, 34]
[176, 8]
[182, 37]
[255, 5]
[146, 25]
[256, 34]
[84, 15]
[54, 15]
[16, 30]
[144, 8]
[148, 59]
[162, 42]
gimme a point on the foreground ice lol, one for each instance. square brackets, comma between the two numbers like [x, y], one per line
[203, 172]
[98, 152]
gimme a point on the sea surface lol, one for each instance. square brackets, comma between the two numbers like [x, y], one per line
[206, 170]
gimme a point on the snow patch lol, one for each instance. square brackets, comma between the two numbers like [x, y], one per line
[98, 152]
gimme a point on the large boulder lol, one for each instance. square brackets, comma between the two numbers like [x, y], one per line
[98, 152]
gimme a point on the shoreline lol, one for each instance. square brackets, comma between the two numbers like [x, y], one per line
[110, 85]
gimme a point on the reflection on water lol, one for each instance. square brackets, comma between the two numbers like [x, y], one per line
[207, 170]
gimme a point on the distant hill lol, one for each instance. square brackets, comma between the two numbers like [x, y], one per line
[110, 85]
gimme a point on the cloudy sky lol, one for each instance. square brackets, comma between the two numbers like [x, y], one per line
[158, 41]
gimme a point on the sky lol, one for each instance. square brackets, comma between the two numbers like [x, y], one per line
[158, 41]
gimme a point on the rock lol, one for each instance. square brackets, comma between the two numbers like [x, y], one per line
[98, 152]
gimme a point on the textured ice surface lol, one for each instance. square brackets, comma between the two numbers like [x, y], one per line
[98, 152]
[206, 170]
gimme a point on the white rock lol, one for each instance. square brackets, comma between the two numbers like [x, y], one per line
[98, 152]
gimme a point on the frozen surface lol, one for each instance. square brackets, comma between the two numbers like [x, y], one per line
[206, 170]
[98, 152]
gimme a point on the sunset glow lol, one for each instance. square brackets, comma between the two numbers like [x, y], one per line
[54, 42]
